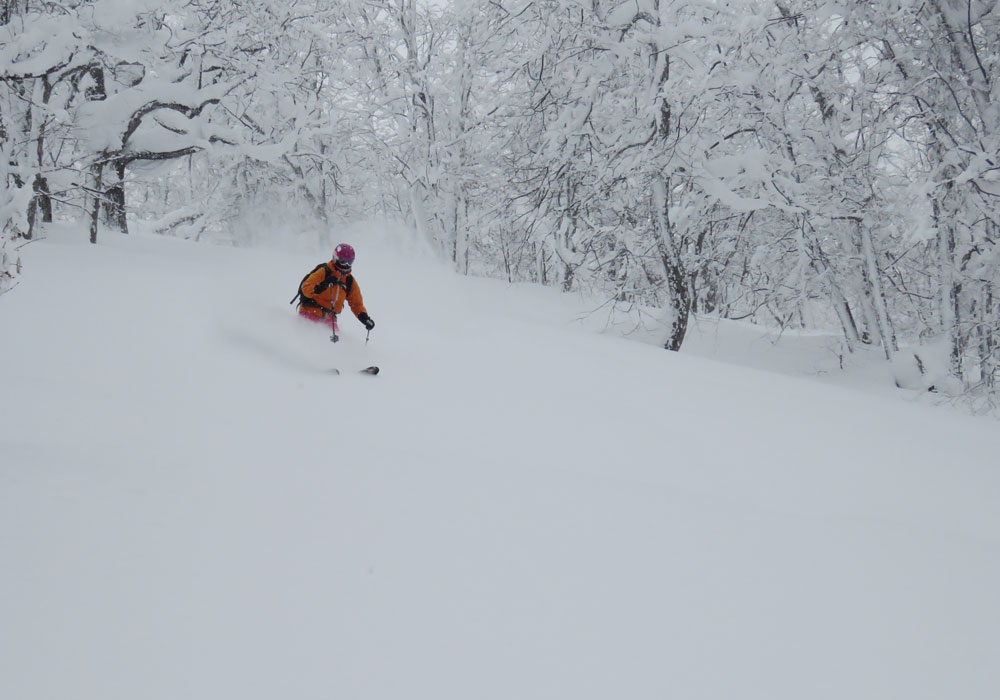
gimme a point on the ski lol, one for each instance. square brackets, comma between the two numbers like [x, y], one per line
[367, 370]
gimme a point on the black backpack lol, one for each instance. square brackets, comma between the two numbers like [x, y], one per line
[327, 281]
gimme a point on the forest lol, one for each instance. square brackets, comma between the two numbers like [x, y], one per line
[801, 164]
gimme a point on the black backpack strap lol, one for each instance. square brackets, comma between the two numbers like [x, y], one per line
[299, 294]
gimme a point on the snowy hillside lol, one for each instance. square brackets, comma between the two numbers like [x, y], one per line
[519, 507]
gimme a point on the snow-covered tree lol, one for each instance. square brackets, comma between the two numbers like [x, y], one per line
[792, 162]
[947, 59]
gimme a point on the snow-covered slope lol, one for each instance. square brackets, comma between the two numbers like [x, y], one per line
[519, 506]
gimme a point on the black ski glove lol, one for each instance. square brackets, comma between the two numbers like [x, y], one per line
[367, 320]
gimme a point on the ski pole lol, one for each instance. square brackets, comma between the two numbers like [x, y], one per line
[333, 316]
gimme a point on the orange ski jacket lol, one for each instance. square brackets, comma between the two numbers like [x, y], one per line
[326, 288]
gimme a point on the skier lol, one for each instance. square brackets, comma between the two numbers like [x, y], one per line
[323, 291]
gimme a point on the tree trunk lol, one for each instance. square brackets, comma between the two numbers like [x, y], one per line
[41, 184]
[95, 208]
[949, 296]
[987, 339]
[847, 322]
[419, 215]
[837, 297]
[114, 205]
[876, 294]
[678, 309]
[462, 232]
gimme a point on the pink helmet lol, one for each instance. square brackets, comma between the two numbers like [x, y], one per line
[344, 253]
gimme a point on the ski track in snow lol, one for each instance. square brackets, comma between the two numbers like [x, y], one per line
[519, 506]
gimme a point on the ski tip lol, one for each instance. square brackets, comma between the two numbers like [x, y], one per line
[334, 371]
